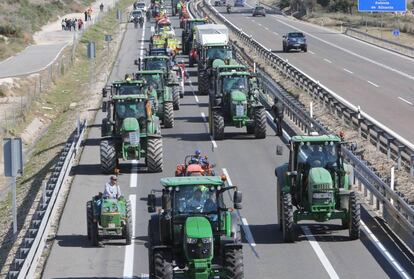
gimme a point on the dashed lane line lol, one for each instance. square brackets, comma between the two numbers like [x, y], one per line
[327, 60]
[129, 250]
[405, 101]
[211, 138]
[348, 71]
[374, 84]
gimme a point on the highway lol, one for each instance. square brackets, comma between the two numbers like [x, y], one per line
[249, 163]
[380, 81]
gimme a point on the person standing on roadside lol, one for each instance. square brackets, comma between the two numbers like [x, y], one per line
[101, 7]
[86, 15]
[278, 113]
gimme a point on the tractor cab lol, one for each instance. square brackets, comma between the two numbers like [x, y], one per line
[195, 227]
[210, 53]
[159, 62]
[129, 87]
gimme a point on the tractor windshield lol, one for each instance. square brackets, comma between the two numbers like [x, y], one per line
[231, 83]
[156, 64]
[219, 53]
[135, 109]
[193, 200]
[323, 155]
[130, 89]
[192, 24]
[154, 80]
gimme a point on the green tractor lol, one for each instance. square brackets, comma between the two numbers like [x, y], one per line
[124, 87]
[195, 235]
[234, 102]
[131, 132]
[188, 33]
[165, 104]
[316, 185]
[108, 218]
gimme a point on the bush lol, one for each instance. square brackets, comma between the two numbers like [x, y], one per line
[9, 30]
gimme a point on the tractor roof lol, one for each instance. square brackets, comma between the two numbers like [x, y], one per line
[232, 66]
[128, 82]
[322, 138]
[150, 72]
[196, 19]
[155, 57]
[129, 97]
[191, 181]
[234, 74]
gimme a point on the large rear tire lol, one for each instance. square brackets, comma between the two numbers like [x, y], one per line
[94, 234]
[203, 83]
[168, 115]
[233, 263]
[128, 225]
[260, 123]
[218, 125]
[354, 217]
[89, 218]
[176, 97]
[153, 240]
[109, 158]
[287, 218]
[154, 155]
[163, 268]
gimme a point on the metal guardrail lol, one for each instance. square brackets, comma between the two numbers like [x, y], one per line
[392, 207]
[29, 253]
[393, 46]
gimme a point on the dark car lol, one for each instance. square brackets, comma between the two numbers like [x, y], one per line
[259, 11]
[294, 40]
[239, 3]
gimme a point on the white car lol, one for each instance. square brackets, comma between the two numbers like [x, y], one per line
[136, 13]
[140, 6]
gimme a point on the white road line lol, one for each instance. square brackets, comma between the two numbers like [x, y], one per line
[384, 251]
[211, 138]
[134, 175]
[370, 82]
[404, 100]
[351, 52]
[311, 52]
[195, 96]
[319, 252]
[245, 226]
[141, 53]
[348, 71]
[277, 34]
[129, 250]
[267, 28]
[327, 60]
[259, 24]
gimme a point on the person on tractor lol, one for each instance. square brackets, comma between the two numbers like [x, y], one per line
[198, 159]
[316, 158]
[195, 203]
[152, 96]
[210, 205]
[112, 189]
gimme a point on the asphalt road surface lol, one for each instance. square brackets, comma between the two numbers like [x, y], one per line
[378, 80]
[250, 165]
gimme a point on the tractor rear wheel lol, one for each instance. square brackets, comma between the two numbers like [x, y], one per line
[163, 268]
[109, 158]
[218, 125]
[203, 83]
[168, 115]
[260, 123]
[176, 97]
[153, 240]
[128, 225]
[233, 263]
[287, 218]
[154, 155]
[354, 217]
[250, 129]
[89, 218]
[105, 128]
[94, 234]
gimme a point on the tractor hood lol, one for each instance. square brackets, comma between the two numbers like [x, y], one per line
[130, 124]
[320, 176]
[238, 96]
[198, 227]
[217, 63]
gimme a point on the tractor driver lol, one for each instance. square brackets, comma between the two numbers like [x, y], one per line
[196, 203]
[210, 205]
[198, 159]
[112, 189]
[316, 158]
[130, 111]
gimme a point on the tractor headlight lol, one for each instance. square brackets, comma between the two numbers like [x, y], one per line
[191, 240]
[207, 240]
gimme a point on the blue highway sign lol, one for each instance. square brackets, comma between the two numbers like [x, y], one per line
[382, 6]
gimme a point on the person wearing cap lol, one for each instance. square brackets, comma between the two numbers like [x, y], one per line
[278, 113]
[112, 189]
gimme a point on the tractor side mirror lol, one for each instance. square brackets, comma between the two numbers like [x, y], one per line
[104, 92]
[237, 199]
[279, 150]
[136, 62]
[151, 203]
[104, 106]
[166, 201]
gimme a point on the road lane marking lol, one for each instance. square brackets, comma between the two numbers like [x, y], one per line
[211, 137]
[129, 249]
[141, 53]
[277, 34]
[195, 96]
[384, 251]
[311, 52]
[245, 226]
[351, 52]
[370, 82]
[348, 71]
[259, 24]
[134, 175]
[404, 100]
[267, 28]
[327, 60]
[319, 252]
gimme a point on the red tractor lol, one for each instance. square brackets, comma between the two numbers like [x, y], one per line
[195, 166]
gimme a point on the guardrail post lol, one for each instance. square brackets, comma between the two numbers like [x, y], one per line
[379, 134]
[400, 148]
[390, 139]
[369, 127]
[412, 165]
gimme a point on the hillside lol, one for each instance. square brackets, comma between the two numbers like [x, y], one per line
[19, 19]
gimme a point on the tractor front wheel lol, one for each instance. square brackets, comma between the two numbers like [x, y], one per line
[154, 155]
[260, 123]
[287, 218]
[163, 268]
[176, 97]
[109, 158]
[250, 129]
[168, 115]
[94, 234]
[89, 218]
[233, 263]
[128, 225]
[354, 217]
[218, 125]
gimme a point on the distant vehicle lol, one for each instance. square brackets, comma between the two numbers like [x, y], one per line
[294, 40]
[141, 6]
[239, 3]
[135, 14]
[220, 2]
[259, 11]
